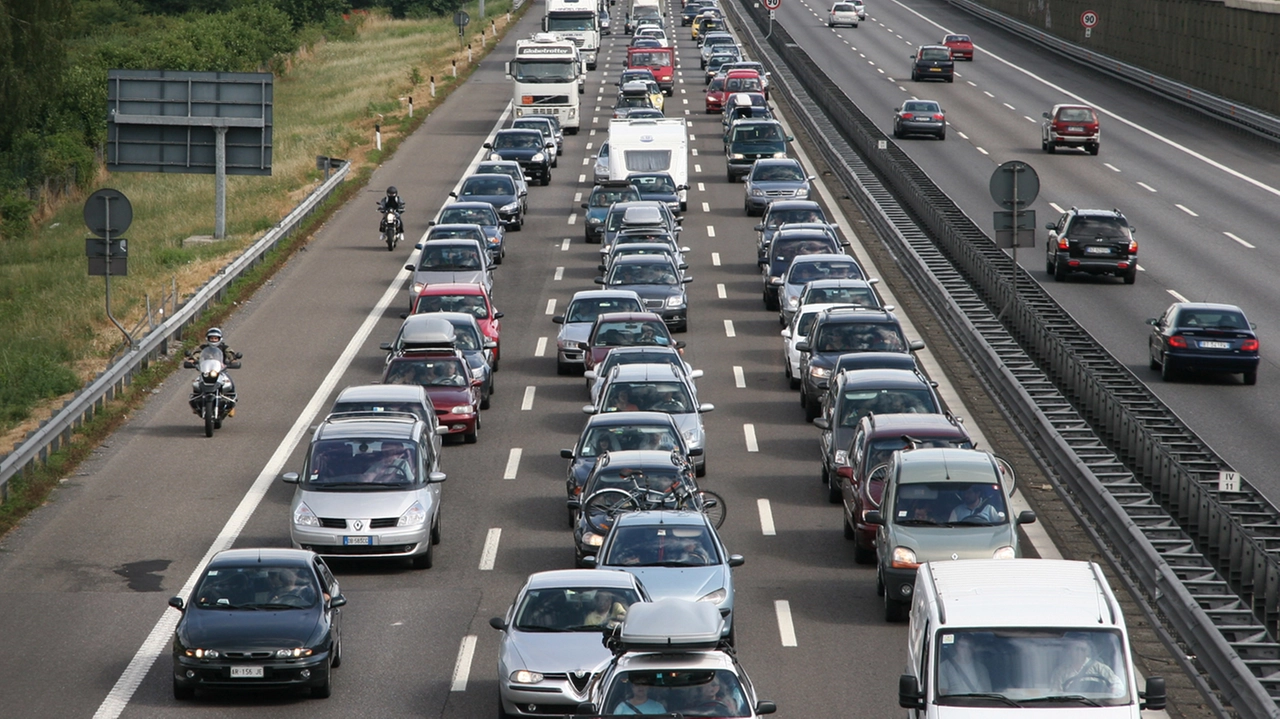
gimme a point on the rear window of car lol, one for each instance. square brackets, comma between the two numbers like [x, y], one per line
[802, 272]
[859, 337]
[589, 309]
[957, 38]
[1075, 114]
[856, 404]
[843, 7]
[1088, 228]
[844, 295]
[1212, 319]
[779, 217]
[920, 106]
[935, 53]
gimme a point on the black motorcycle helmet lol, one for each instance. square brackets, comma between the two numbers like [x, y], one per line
[392, 191]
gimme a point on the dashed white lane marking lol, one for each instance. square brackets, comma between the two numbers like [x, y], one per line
[527, 403]
[720, 291]
[564, 245]
[979, 149]
[711, 231]
[1237, 239]
[692, 137]
[582, 178]
[1146, 187]
[701, 187]
[1111, 167]
[589, 144]
[462, 669]
[513, 463]
[1028, 118]
[559, 274]
[591, 134]
[766, 518]
[1186, 209]
[715, 258]
[694, 151]
[786, 629]
[749, 432]
[1011, 107]
[706, 207]
[971, 83]
[541, 349]
[697, 168]
[577, 197]
[984, 92]
[551, 306]
[728, 329]
[1177, 296]
[739, 378]
[1056, 208]
[586, 161]
[573, 219]
[962, 135]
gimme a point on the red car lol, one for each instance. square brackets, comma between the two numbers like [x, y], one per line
[658, 60]
[625, 329]
[743, 80]
[445, 376]
[961, 47]
[472, 299]
[716, 95]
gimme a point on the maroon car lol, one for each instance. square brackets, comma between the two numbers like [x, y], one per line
[961, 46]
[625, 329]
[445, 376]
[875, 440]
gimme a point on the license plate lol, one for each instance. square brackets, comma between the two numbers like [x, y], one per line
[1210, 345]
[357, 541]
[1075, 129]
[246, 672]
[935, 69]
[1097, 250]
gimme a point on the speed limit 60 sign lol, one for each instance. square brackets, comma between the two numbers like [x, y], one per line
[772, 4]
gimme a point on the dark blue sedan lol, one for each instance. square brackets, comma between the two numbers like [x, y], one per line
[1203, 337]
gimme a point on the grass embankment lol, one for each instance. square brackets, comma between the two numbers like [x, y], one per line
[54, 332]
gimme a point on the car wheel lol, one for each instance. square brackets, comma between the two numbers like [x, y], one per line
[183, 693]
[701, 469]
[426, 559]
[848, 528]
[811, 410]
[1048, 264]
[515, 226]
[546, 178]
[895, 611]
[729, 174]
[942, 135]
[1166, 370]
[897, 133]
[914, 76]
[794, 382]
[826, 476]
[829, 24]
[862, 555]
[1131, 276]
[435, 531]
[324, 689]
[337, 654]
[573, 519]
[1059, 271]
[1151, 360]
[732, 637]
[556, 162]
[1093, 150]
[951, 78]
[1044, 146]
[879, 585]
[1250, 377]
[1050, 147]
[473, 436]
[854, 25]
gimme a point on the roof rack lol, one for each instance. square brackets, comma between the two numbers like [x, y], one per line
[670, 626]
[372, 414]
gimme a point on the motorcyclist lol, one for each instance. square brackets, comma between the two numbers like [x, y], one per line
[213, 338]
[392, 201]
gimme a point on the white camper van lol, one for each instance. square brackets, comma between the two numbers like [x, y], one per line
[1019, 638]
[650, 145]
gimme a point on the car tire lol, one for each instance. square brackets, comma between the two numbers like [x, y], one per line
[732, 637]
[1130, 275]
[1048, 264]
[324, 689]
[517, 225]
[1250, 377]
[484, 401]
[1093, 149]
[1151, 361]
[895, 611]
[183, 693]
[426, 559]
[700, 470]
[942, 135]
[337, 655]
[435, 531]
[879, 585]
[546, 178]
[730, 176]
[855, 25]
[1059, 271]
[1166, 371]
[473, 437]
[811, 410]
[848, 528]
[914, 76]
[862, 555]
[897, 133]
[951, 78]
[795, 383]
[835, 495]
[1050, 147]
[829, 24]
[556, 162]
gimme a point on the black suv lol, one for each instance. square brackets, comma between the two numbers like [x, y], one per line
[839, 330]
[1099, 242]
[526, 146]
[781, 212]
[932, 62]
[751, 140]
[789, 244]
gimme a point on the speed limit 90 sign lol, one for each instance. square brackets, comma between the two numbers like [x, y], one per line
[772, 4]
[1089, 19]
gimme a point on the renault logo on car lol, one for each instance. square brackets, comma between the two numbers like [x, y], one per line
[360, 525]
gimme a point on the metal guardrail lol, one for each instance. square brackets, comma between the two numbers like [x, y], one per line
[58, 429]
[1127, 456]
[1249, 118]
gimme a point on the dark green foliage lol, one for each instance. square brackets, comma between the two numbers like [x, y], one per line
[29, 374]
[422, 8]
[31, 60]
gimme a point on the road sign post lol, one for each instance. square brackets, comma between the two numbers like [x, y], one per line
[107, 214]
[772, 6]
[1014, 185]
[461, 19]
[1089, 20]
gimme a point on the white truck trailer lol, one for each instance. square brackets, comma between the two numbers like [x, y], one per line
[575, 20]
[650, 145]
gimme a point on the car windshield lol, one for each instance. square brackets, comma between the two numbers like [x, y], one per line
[950, 503]
[644, 274]
[616, 439]
[518, 141]
[859, 337]
[654, 183]
[544, 71]
[1075, 114]
[649, 59]
[453, 233]
[777, 173]
[802, 272]
[805, 323]
[858, 403]
[1089, 228]
[560, 23]
[467, 338]
[449, 258]
[717, 84]
[587, 310]
[573, 609]
[1211, 319]
[361, 464]
[883, 449]
[663, 545]
[258, 586]
[842, 295]
[786, 249]
[473, 305]
[743, 84]
[842, 7]
[764, 133]
[469, 216]
[1032, 667]
[410, 407]
[688, 693]
[778, 217]
[487, 186]
[668, 397]
[935, 53]
[607, 196]
[628, 334]
[427, 371]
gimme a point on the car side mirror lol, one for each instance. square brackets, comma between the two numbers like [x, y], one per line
[764, 707]
[790, 138]
[524, 193]
[916, 345]
[436, 477]
[573, 503]
[558, 319]
[566, 453]
[590, 374]
[873, 517]
[584, 206]
[453, 194]
[1045, 115]
[1050, 225]
[821, 423]
[588, 409]
[1154, 698]
[685, 249]
[177, 603]
[498, 623]
[1027, 517]
[803, 346]
[736, 560]
[410, 268]
[599, 280]
[550, 145]
[602, 268]
[442, 430]
[289, 478]
[680, 344]
[589, 562]
[873, 280]
[489, 345]
[338, 601]
[385, 346]
[404, 315]
[233, 365]
[705, 407]
[696, 452]
[909, 694]
[487, 146]
[775, 282]
[759, 228]
[498, 315]
[686, 280]
[695, 374]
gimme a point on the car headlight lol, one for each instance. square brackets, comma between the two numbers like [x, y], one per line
[524, 676]
[477, 372]
[595, 220]
[1003, 553]
[593, 540]
[416, 287]
[819, 372]
[295, 653]
[462, 409]
[717, 596]
[691, 438]
[495, 157]
[539, 157]
[736, 156]
[757, 193]
[802, 192]
[203, 653]
[842, 457]
[304, 517]
[793, 301]
[779, 155]
[675, 301]
[511, 206]
[904, 558]
[416, 514]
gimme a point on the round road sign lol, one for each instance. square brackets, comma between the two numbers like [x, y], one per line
[1089, 19]
[1014, 178]
[772, 4]
[461, 19]
[108, 211]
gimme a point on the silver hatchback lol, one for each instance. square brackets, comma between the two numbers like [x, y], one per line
[846, 13]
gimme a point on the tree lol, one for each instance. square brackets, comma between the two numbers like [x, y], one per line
[31, 60]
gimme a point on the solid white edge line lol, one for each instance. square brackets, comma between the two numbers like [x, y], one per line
[162, 633]
[513, 463]
[786, 629]
[527, 404]
[462, 668]
[766, 518]
[541, 349]
[489, 554]
[739, 378]
[749, 432]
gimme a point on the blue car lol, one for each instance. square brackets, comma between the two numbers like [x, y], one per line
[478, 213]
[602, 198]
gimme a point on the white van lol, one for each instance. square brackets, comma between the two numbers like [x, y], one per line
[1019, 638]
[650, 146]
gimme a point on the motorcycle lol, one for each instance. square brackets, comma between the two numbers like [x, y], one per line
[392, 228]
[213, 394]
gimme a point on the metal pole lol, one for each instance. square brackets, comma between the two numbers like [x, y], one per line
[767, 34]
[1016, 214]
[107, 234]
[220, 186]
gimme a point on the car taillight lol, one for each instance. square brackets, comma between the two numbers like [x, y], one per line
[1178, 341]
[938, 116]
[1133, 246]
[1249, 346]
[1063, 244]
[907, 115]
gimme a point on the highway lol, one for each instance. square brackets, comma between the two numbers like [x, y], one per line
[84, 582]
[1204, 197]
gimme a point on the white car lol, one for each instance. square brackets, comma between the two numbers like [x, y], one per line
[796, 331]
[601, 173]
[655, 32]
[846, 13]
